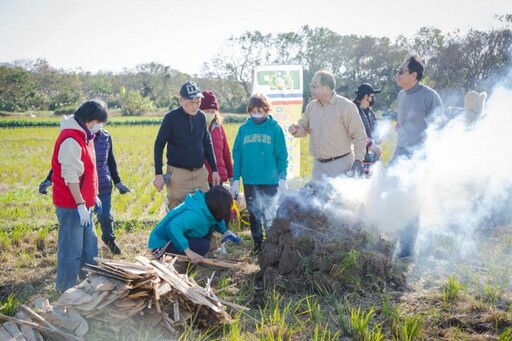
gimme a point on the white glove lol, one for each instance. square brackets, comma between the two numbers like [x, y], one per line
[229, 236]
[283, 186]
[235, 188]
[85, 216]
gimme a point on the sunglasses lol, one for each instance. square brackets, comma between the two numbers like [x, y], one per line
[401, 71]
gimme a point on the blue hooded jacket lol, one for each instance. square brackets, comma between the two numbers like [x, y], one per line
[259, 153]
[191, 219]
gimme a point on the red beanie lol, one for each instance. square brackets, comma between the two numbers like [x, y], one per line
[209, 101]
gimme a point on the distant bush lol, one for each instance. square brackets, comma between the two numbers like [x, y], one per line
[235, 118]
[64, 111]
[53, 123]
[132, 103]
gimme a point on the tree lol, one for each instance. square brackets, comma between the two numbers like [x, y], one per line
[57, 88]
[133, 103]
[17, 93]
[472, 61]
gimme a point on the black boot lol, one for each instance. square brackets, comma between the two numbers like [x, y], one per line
[113, 247]
[257, 248]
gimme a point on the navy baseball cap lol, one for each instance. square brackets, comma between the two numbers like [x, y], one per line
[190, 90]
[366, 89]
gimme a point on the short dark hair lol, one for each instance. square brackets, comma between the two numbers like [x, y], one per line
[416, 65]
[326, 78]
[93, 109]
[258, 101]
[219, 202]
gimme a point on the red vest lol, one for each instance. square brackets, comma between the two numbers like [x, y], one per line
[88, 181]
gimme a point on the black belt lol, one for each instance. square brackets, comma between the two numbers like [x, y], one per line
[332, 158]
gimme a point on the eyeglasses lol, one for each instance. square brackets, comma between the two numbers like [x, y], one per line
[315, 86]
[401, 71]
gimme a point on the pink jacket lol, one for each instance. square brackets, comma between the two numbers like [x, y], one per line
[222, 153]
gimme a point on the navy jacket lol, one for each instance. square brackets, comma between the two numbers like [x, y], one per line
[188, 141]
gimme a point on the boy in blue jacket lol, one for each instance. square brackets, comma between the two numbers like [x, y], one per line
[188, 228]
[261, 159]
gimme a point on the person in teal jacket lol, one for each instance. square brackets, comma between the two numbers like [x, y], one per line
[261, 159]
[188, 228]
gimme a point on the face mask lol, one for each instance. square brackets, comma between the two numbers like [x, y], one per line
[97, 127]
[372, 102]
[258, 118]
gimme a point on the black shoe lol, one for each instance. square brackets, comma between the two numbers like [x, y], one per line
[113, 247]
[256, 249]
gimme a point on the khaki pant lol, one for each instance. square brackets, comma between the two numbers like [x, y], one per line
[183, 182]
[332, 168]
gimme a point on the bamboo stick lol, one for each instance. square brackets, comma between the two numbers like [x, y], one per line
[49, 329]
[209, 261]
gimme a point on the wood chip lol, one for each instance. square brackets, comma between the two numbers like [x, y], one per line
[15, 332]
[176, 310]
[73, 296]
[98, 297]
[4, 334]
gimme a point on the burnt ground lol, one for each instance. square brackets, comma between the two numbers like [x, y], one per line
[310, 248]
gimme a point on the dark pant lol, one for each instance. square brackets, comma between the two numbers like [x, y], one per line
[200, 246]
[105, 218]
[257, 198]
[407, 240]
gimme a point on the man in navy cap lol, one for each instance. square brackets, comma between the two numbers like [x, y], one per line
[185, 131]
[365, 99]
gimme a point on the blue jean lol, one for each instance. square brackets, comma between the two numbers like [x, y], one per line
[105, 218]
[76, 246]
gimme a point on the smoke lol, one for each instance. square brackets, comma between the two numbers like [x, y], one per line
[457, 185]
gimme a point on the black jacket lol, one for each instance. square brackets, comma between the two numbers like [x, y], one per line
[188, 141]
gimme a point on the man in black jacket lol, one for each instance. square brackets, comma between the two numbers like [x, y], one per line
[185, 132]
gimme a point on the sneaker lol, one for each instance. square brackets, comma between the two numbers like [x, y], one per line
[113, 247]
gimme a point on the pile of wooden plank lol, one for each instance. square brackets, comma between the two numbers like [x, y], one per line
[147, 289]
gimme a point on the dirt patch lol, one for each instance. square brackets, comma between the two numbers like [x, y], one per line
[313, 246]
[4, 188]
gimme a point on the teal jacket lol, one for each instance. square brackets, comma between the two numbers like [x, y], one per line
[191, 219]
[259, 153]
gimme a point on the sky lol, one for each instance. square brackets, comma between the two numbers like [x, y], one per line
[111, 35]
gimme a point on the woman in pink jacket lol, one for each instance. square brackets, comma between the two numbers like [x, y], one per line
[210, 105]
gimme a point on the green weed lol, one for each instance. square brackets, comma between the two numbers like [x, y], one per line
[409, 330]
[506, 335]
[324, 334]
[359, 322]
[278, 320]
[491, 293]
[343, 312]
[5, 241]
[235, 330]
[451, 290]
[10, 305]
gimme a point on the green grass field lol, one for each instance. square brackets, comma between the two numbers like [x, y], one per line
[25, 161]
